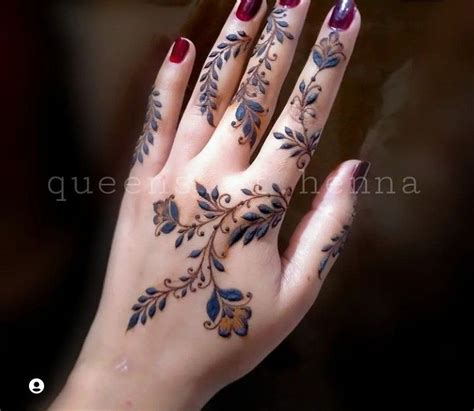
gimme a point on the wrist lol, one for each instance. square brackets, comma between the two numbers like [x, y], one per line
[124, 388]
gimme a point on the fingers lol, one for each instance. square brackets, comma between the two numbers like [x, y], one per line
[296, 134]
[218, 78]
[252, 107]
[164, 106]
[320, 238]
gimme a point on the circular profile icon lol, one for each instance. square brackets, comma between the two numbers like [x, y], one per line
[36, 386]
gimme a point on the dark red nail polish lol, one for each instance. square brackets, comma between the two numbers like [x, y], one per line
[180, 49]
[248, 9]
[342, 15]
[359, 175]
[289, 3]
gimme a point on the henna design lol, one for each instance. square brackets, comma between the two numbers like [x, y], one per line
[246, 221]
[334, 249]
[249, 111]
[302, 144]
[217, 58]
[150, 127]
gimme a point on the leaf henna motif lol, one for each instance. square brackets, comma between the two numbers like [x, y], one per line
[234, 44]
[150, 128]
[249, 111]
[302, 143]
[333, 249]
[249, 220]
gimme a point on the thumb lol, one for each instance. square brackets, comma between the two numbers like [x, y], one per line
[319, 238]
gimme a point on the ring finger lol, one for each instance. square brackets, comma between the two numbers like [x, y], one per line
[296, 134]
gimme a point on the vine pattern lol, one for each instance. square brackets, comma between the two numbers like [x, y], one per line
[234, 44]
[249, 111]
[150, 128]
[249, 220]
[302, 143]
[334, 249]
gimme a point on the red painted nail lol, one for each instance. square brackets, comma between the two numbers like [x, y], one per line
[180, 49]
[342, 15]
[359, 175]
[248, 9]
[289, 3]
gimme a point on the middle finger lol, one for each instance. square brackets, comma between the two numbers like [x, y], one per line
[249, 114]
[218, 79]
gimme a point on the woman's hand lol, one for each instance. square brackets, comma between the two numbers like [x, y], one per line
[197, 293]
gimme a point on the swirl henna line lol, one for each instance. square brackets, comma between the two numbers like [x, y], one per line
[227, 309]
[302, 144]
[236, 42]
[249, 111]
[150, 128]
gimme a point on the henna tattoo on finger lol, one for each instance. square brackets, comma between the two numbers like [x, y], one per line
[302, 143]
[249, 111]
[333, 249]
[234, 44]
[249, 220]
[150, 128]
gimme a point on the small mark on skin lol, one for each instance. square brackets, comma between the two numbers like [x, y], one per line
[122, 366]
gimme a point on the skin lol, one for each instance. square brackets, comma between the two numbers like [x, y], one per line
[174, 363]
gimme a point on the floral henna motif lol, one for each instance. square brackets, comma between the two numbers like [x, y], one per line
[231, 48]
[249, 111]
[334, 249]
[147, 136]
[302, 143]
[250, 219]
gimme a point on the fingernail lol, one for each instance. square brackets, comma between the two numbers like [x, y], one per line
[180, 49]
[342, 14]
[359, 175]
[289, 3]
[248, 9]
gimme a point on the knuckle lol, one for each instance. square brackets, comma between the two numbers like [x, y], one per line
[338, 217]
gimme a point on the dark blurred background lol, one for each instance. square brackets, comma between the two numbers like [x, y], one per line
[390, 325]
